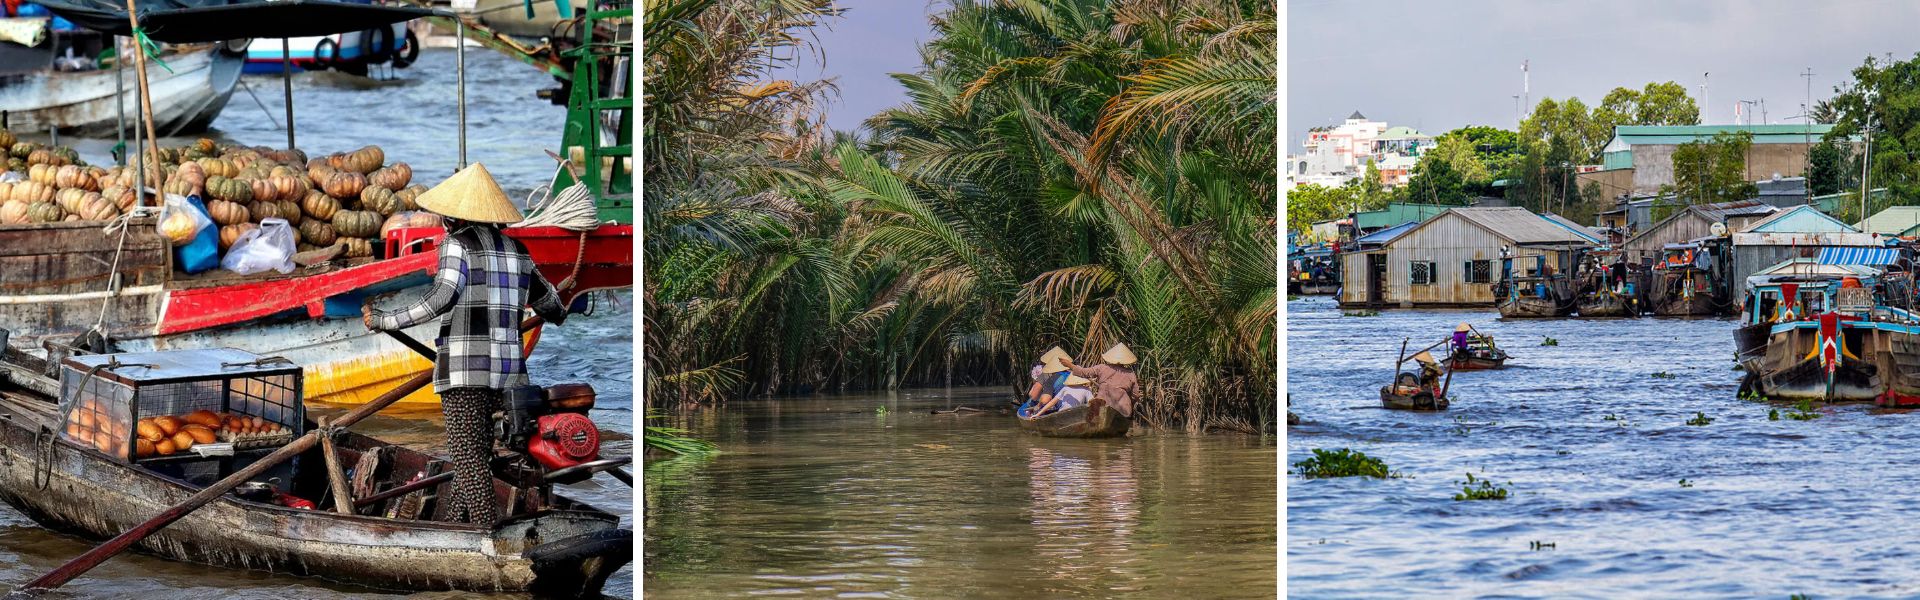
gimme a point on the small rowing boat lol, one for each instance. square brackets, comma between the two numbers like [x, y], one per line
[544, 542]
[1410, 397]
[1073, 423]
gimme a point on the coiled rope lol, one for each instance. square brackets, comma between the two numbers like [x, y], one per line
[571, 209]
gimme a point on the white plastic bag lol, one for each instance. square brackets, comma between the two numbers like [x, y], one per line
[269, 247]
[180, 222]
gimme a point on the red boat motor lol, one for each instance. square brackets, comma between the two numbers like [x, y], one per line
[551, 426]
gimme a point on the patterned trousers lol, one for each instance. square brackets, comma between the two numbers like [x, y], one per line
[470, 444]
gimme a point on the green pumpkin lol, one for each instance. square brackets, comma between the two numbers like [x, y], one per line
[379, 199]
[357, 223]
[318, 232]
[45, 212]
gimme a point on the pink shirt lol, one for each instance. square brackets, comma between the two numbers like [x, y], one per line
[1118, 386]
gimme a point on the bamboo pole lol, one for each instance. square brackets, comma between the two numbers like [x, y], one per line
[146, 95]
[286, 86]
[336, 477]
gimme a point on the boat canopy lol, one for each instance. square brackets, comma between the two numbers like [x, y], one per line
[1859, 256]
[193, 21]
[1804, 269]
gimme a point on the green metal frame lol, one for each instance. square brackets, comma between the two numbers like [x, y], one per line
[585, 105]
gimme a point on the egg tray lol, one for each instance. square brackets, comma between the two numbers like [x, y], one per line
[255, 441]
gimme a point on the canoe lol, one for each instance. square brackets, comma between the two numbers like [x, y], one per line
[546, 543]
[1072, 423]
[1419, 400]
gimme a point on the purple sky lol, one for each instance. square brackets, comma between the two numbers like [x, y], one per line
[1441, 65]
[872, 39]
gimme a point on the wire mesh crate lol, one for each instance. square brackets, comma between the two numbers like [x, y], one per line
[163, 405]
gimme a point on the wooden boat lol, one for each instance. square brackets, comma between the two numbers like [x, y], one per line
[1604, 303]
[1829, 340]
[1410, 398]
[1682, 287]
[53, 284]
[352, 52]
[36, 98]
[1073, 423]
[1517, 307]
[544, 543]
[1476, 360]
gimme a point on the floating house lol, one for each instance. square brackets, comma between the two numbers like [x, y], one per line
[1692, 223]
[1452, 260]
[1801, 231]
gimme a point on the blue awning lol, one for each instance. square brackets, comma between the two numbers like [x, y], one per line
[1858, 256]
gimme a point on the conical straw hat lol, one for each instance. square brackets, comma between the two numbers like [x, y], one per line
[1424, 357]
[1053, 366]
[1119, 354]
[471, 195]
[1053, 355]
[1078, 380]
[1463, 327]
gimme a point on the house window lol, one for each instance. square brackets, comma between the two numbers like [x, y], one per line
[1421, 272]
[1478, 271]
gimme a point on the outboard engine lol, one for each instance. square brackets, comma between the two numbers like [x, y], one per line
[550, 425]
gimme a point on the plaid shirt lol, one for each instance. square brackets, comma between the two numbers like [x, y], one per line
[482, 286]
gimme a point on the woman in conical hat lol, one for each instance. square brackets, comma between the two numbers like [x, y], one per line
[1460, 337]
[1041, 384]
[1074, 393]
[1118, 385]
[483, 284]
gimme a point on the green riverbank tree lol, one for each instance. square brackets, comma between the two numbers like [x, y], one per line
[1071, 172]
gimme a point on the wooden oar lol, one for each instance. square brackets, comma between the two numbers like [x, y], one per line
[92, 558]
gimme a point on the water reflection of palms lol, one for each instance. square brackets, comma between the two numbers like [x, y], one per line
[1085, 510]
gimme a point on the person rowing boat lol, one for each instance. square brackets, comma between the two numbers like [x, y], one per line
[1118, 384]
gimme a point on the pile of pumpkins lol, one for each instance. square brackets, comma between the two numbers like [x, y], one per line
[348, 199]
[58, 186]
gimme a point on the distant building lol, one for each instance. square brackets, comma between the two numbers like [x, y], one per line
[1338, 154]
[1639, 159]
[1795, 232]
[1692, 223]
[1900, 221]
[1394, 213]
[1452, 259]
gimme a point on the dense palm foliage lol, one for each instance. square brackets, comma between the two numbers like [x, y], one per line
[1079, 172]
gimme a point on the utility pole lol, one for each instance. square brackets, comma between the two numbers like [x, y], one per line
[1517, 119]
[1526, 82]
[1806, 111]
[1706, 99]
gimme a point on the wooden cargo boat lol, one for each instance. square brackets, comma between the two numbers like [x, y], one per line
[1827, 336]
[545, 542]
[54, 283]
[1073, 423]
[1476, 360]
[1538, 293]
[1605, 303]
[1682, 286]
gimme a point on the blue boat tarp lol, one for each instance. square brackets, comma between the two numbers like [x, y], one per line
[1380, 237]
[1859, 256]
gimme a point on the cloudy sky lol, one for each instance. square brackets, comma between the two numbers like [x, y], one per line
[872, 39]
[1441, 65]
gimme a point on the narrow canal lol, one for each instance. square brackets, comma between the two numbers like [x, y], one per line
[870, 495]
[1623, 497]
[413, 118]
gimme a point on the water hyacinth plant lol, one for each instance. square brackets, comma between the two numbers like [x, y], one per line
[1341, 463]
[1479, 489]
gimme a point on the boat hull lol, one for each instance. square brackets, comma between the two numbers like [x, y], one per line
[86, 103]
[1880, 363]
[65, 487]
[1073, 423]
[1475, 363]
[1422, 401]
[1676, 305]
[1605, 304]
[1533, 308]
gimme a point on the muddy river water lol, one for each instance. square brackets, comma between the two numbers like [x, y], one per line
[1623, 497]
[870, 495]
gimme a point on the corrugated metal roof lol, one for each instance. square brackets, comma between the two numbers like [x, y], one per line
[1382, 236]
[1521, 226]
[1800, 219]
[1590, 233]
[1630, 135]
[1893, 220]
[1742, 208]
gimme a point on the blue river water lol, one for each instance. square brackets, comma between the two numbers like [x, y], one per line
[1591, 437]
